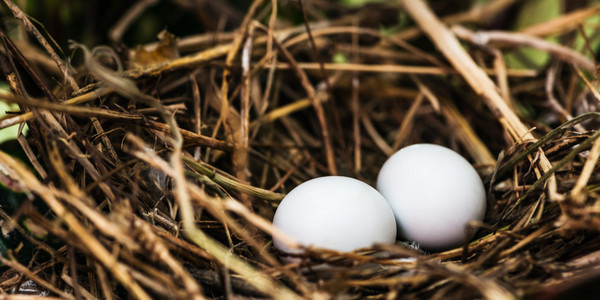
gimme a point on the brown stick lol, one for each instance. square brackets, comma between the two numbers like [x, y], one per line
[448, 44]
[94, 246]
[316, 102]
[559, 51]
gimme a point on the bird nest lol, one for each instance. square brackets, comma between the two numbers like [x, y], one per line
[154, 172]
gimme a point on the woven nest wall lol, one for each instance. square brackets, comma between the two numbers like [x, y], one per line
[154, 170]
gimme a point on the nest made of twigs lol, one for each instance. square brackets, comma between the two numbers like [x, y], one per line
[154, 172]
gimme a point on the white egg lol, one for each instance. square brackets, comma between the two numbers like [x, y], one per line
[335, 212]
[434, 193]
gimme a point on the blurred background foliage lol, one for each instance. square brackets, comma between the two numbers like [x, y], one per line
[90, 21]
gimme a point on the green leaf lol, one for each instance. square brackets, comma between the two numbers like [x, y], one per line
[590, 27]
[11, 132]
[340, 58]
[533, 12]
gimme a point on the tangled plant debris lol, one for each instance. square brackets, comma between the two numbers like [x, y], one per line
[154, 171]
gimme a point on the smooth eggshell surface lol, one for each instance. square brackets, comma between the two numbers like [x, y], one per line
[434, 193]
[335, 212]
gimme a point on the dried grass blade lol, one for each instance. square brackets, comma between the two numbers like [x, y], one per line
[92, 244]
[71, 109]
[568, 158]
[505, 168]
[14, 264]
[223, 255]
[230, 183]
[12, 120]
[316, 102]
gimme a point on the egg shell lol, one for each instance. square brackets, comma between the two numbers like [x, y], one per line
[434, 193]
[335, 212]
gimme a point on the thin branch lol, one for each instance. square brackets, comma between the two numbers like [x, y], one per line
[519, 39]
